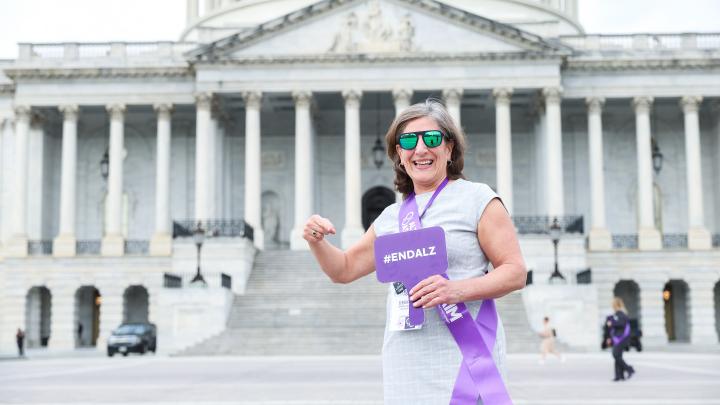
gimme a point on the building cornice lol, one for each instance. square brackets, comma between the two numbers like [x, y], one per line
[7, 88]
[92, 73]
[314, 59]
[640, 64]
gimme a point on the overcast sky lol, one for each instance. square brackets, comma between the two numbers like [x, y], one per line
[151, 20]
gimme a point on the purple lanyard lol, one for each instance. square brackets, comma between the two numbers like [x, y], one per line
[478, 376]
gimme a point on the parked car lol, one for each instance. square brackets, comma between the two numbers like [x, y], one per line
[635, 335]
[132, 337]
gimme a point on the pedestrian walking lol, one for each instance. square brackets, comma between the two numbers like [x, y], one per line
[619, 326]
[20, 338]
[547, 345]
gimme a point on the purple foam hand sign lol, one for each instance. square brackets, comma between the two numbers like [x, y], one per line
[409, 257]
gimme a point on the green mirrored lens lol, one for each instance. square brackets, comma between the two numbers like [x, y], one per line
[408, 141]
[432, 138]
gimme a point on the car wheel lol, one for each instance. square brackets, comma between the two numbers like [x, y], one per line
[143, 349]
[110, 353]
[125, 354]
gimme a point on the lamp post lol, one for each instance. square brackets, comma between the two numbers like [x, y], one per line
[657, 157]
[378, 153]
[199, 237]
[555, 230]
[105, 165]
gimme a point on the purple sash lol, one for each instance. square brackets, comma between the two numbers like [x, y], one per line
[617, 339]
[478, 376]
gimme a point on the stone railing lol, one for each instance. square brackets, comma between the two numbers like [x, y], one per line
[88, 247]
[716, 240]
[675, 241]
[541, 224]
[137, 247]
[625, 241]
[231, 228]
[639, 42]
[40, 247]
[73, 51]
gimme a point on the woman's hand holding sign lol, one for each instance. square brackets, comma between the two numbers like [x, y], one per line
[436, 290]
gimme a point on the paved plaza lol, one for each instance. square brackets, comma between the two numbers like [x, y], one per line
[662, 378]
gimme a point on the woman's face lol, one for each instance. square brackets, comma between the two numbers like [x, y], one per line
[427, 167]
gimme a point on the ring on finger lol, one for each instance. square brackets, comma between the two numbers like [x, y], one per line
[314, 233]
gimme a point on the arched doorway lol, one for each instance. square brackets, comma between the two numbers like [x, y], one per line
[629, 291]
[135, 304]
[717, 308]
[87, 316]
[675, 296]
[38, 304]
[374, 201]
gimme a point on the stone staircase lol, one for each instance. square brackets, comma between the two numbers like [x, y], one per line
[291, 308]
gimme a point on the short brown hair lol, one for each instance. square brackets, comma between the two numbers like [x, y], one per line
[434, 109]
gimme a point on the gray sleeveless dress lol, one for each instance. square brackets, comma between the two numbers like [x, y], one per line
[420, 366]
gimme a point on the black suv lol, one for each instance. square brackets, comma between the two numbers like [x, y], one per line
[635, 335]
[132, 337]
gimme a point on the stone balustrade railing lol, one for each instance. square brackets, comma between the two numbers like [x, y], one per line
[639, 42]
[70, 51]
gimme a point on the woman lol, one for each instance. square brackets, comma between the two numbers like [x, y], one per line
[547, 345]
[619, 325]
[426, 147]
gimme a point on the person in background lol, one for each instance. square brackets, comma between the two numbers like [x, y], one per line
[20, 338]
[547, 345]
[619, 325]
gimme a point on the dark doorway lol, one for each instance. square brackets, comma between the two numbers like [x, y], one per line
[38, 303]
[374, 201]
[87, 316]
[135, 304]
[675, 296]
[629, 291]
[717, 308]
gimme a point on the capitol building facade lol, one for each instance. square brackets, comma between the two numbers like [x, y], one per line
[265, 112]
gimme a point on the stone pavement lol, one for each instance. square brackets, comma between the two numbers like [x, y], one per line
[662, 378]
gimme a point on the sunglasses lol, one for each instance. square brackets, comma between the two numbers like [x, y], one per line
[432, 139]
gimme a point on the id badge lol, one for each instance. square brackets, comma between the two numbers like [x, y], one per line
[400, 308]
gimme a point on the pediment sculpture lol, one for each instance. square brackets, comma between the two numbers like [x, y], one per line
[371, 33]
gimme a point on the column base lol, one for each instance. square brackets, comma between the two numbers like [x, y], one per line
[296, 240]
[649, 239]
[65, 246]
[259, 238]
[699, 239]
[17, 247]
[350, 236]
[113, 245]
[600, 239]
[161, 245]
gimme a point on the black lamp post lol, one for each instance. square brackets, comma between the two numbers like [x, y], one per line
[555, 230]
[378, 153]
[199, 237]
[105, 165]
[657, 157]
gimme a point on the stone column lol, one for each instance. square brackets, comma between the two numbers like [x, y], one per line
[253, 169]
[402, 98]
[303, 168]
[554, 160]
[701, 313]
[652, 312]
[161, 242]
[503, 146]
[202, 164]
[113, 243]
[649, 237]
[111, 312]
[453, 100]
[64, 243]
[192, 11]
[62, 319]
[600, 238]
[353, 230]
[698, 235]
[18, 243]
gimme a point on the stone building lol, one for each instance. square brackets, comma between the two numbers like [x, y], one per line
[264, 112]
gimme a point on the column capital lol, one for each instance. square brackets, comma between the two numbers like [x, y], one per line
[302, 98]
[552, 94]
[452, 95]
[502, 95]
[116, 110]
[70, 111]
[203, 100]
[690, 103]
[595, 104]
[253, 99]
[352, 97]
[401, 94]
[642, 104]
[163, 108]
[22, 112]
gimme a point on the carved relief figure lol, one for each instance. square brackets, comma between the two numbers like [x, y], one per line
[345, 40]
[371, 33]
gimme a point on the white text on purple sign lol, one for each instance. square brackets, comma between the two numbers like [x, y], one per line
[409, 254]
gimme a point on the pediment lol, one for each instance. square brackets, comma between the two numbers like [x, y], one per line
[375, 27]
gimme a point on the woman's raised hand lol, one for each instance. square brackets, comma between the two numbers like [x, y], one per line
[316, 228]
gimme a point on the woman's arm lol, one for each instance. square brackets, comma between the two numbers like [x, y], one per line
[342, 267]
[496, 234]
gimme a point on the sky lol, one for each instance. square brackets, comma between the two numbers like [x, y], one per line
[156, 20]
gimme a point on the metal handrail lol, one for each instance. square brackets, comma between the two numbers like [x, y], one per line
[570, 224]
[625, 241]
[40, 247]
[231, 228]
